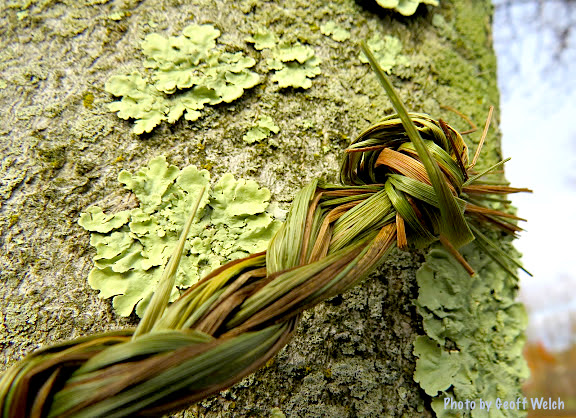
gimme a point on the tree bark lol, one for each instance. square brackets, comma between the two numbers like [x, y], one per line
[62, 152]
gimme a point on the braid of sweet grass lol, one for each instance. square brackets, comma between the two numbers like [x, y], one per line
[407, 183]
[225, 327]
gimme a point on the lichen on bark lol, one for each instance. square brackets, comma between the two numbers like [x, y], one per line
[62, 152]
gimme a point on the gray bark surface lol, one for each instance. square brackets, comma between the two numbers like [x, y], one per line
[62, 151]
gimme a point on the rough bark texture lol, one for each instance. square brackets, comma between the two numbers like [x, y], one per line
[62, 151]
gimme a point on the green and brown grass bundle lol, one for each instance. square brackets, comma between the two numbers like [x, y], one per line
[406, 182]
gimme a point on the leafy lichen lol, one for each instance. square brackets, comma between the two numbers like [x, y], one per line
[387, 50]
[338, 33]
[188, 72]
[405, 7]
[295, 65]
[475, 333]
[132, 246]
[263, 39]
[263, 129]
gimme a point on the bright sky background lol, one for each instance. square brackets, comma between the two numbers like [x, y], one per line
[537, 77]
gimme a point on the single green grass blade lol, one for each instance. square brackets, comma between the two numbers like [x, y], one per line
[164, 288]
[490, 248]
[453, 226]
[487, 171]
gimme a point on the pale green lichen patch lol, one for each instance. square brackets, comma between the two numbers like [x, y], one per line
[336, 32]
[405, 7]
[387, 50]
[133, 246]
[263, 129]
[117, 15]
[295, 65]
[188, 73]
[436, 367]
[277, 413]
[140, 101]
[96, 220]
[475, 333]
[263, 39]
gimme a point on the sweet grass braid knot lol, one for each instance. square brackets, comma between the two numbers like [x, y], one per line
[384, 155]
[406, 182]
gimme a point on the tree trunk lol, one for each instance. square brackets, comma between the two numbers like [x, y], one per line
[62, 152]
